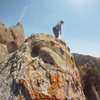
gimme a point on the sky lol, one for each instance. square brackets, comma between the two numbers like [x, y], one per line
[81, 30]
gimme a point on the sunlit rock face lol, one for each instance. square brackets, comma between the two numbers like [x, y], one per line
[18, 33]
[41, 69]
[10, 39]
[3, 51]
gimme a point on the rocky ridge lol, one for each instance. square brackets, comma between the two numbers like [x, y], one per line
[41, 69]
[10, 39]
[81, 60]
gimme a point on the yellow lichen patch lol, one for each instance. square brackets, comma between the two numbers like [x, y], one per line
[44, 97]
[31, 70]
[31, 59]
[72, 62]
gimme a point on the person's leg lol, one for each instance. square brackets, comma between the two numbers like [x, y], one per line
[57, 35]
[56, 32]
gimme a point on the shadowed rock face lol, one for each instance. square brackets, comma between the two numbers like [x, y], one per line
[89, 68]
[40, 70]
[10, 39]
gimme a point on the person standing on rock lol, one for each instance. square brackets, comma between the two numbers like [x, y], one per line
[57, 29]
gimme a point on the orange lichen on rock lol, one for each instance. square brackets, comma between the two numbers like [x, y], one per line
[53, 87]
[60, 82]
[22, 82]
[60, 95]
[34, 94]
[56, 86]
[54, 78]
[50, 91]
[40, 70]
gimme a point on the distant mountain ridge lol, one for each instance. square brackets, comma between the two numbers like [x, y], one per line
[82, 59]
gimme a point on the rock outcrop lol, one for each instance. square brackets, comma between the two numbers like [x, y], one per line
[18, 33]
[10, 39]
[89, 68]
[41, 69]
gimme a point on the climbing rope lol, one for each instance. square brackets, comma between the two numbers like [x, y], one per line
[69, 85]
[69, 90]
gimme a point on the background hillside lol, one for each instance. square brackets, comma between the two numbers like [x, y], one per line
[89, 68]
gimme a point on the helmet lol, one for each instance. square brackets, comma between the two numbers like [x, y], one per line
[61, 21]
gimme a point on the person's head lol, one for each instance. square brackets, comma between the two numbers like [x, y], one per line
[61, 22]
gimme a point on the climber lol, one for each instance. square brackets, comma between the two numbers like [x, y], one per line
[57, 29]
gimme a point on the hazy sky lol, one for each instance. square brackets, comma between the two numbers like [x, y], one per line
[81, 30]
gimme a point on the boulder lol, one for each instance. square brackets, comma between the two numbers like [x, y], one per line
[41, 69]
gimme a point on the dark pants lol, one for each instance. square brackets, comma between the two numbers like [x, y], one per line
[56, 32]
